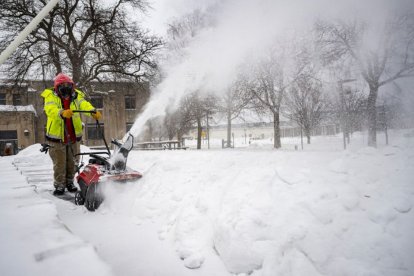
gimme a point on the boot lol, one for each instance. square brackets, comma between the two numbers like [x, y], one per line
[59, 191]
[71, 187]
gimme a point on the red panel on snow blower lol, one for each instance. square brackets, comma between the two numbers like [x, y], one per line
[93, 174]
[90, 174]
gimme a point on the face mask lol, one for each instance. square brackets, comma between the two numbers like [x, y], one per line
[65, 90]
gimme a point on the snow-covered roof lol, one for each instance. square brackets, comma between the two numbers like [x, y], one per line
[18, 108]
[8, 83]
[103, 92]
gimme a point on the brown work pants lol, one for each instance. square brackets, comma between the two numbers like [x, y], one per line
[64, 162]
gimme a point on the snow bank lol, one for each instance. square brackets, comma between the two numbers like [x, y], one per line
[283, 213]
[251, 211]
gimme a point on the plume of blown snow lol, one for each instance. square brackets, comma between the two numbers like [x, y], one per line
[243, 27]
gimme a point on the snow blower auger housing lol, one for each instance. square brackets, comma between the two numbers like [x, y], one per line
[104, 169]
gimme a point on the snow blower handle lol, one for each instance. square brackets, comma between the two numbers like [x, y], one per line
[84, 111]
[98, 126]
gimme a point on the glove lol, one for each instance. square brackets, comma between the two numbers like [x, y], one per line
[67, 113]
[97, 116]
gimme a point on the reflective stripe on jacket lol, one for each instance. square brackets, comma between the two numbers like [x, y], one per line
[55, 126]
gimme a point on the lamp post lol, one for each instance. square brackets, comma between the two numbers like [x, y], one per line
[27, 30]
[208, 132]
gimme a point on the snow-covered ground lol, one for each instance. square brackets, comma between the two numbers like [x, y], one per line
[245, 211]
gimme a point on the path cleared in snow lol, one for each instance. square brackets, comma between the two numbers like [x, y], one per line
[34, 241]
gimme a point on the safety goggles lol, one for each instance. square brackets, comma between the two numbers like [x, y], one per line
[65, 89]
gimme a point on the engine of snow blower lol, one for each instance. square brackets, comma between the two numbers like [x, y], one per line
[104, 169]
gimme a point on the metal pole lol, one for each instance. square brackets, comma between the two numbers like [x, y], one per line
[208, 134]
[26, 31]
[341, 94]
[385, 125]
[344, 127]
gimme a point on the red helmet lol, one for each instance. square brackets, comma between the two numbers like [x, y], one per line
[62, 78]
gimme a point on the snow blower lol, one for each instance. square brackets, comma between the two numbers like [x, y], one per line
[100, 169]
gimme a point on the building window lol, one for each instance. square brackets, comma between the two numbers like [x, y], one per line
[93, 133]
[128, 126]
[130, 102]
[97, 102]
[2, 98]
[17, 99]
[8, 134]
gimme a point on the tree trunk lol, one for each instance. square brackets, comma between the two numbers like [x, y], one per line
[199, 130]
[180, 137]
[77, 70]
[308, 135]
[228, 129]
[276, 129]
[372, 115]
[55, 59]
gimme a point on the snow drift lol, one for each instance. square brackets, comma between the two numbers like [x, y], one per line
[253, 211]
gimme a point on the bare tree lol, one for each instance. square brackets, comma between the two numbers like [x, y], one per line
[201, 107]
[92, 41]
[353, 103]
[269, 82]
[179, 121]
[171, 122]
[233, 102]
[181, 31]
[191, 112]
[155, 129]
[194, 107]
[400, 110]
[305, 103]
[392, 57]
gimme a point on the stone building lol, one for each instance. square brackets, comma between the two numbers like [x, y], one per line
[22, 119]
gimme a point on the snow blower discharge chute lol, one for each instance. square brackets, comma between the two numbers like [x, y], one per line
[102, 169]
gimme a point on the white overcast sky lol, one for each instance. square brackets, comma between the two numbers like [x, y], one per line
[164, 11]
[161, 12]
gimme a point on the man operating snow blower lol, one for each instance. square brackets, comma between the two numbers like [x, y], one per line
[64, 129]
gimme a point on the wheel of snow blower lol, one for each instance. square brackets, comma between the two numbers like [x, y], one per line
[79, 199]
[93, 198]
[83, 188]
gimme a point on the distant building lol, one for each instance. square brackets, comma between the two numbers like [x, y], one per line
[262, 130]
[22, 119]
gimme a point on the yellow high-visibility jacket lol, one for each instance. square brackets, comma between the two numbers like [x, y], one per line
[55, 126]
